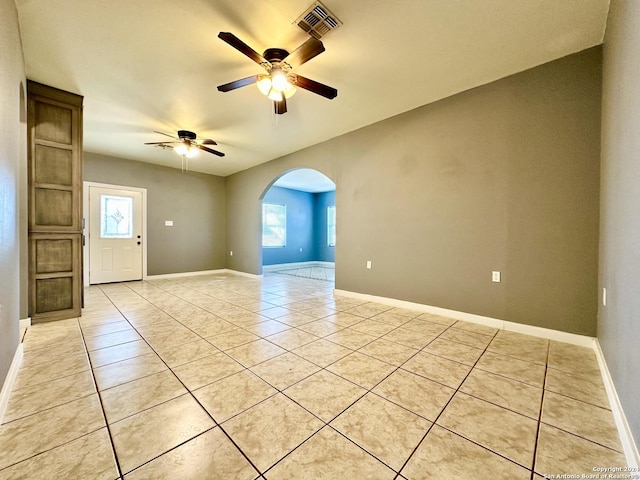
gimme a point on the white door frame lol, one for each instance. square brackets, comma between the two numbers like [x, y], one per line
[86, 218]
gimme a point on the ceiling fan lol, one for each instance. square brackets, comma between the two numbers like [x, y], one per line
[280, 82]
[186, 145]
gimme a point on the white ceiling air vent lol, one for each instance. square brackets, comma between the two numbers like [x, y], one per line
[317, 20]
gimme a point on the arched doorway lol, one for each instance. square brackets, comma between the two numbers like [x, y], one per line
[298, 225]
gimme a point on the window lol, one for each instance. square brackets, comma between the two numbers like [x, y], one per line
[331, 226]
[274, 225]
[115, 216]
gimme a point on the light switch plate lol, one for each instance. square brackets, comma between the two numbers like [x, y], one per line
[168, 223]
[495, 277]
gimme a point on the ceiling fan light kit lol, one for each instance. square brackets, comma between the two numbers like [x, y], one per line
[186, 145]
[186, 150]
[273, 89]
[278, 79]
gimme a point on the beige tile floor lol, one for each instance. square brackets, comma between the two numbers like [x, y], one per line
[318, 273]
[226, 377]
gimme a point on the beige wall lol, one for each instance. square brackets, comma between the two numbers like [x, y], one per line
[619, 320]
[502, 177]
[194, 201]
[13, 143]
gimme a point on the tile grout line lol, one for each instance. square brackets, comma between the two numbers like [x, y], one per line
[445, 407]
[322, 368]
[104, 415]
[574, 434]
[146, 409]
[191, 300]
[224, 319]
[48, 449]
[171, 370]
[229, 321]
[44, 410]
[370, 390]
[278, 390]
[216, 424]
[535, 446]
[227, 301]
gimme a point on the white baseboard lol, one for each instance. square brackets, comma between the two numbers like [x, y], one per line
[557, 335]
[167, 276]
[7, 386]
[296, 265]
[573, 338]
[242, 274]
[25, 322]
[626, 437]
[184, 274]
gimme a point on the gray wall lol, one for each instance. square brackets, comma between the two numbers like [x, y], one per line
[502, 177]
[194, 201]
[619, 320]
[13, 143]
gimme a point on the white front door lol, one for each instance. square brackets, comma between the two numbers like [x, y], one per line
[115, 235]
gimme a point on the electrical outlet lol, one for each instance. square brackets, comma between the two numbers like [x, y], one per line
[368, 264]
[231, 253]
[495, 277]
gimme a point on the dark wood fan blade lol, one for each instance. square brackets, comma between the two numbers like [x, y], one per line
[313, 86]
[227, 87]
[305, 52]
[281, 106]
[242, 47]
[211, 150]
[159, 143]
[166, 134]
[208, 141]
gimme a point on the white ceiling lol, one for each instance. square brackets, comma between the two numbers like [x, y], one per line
[148, 65]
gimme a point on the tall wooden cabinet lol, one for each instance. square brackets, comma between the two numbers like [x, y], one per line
[55, 203]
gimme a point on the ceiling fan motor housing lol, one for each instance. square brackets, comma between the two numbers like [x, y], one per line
[186, 134]
[275, 55]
